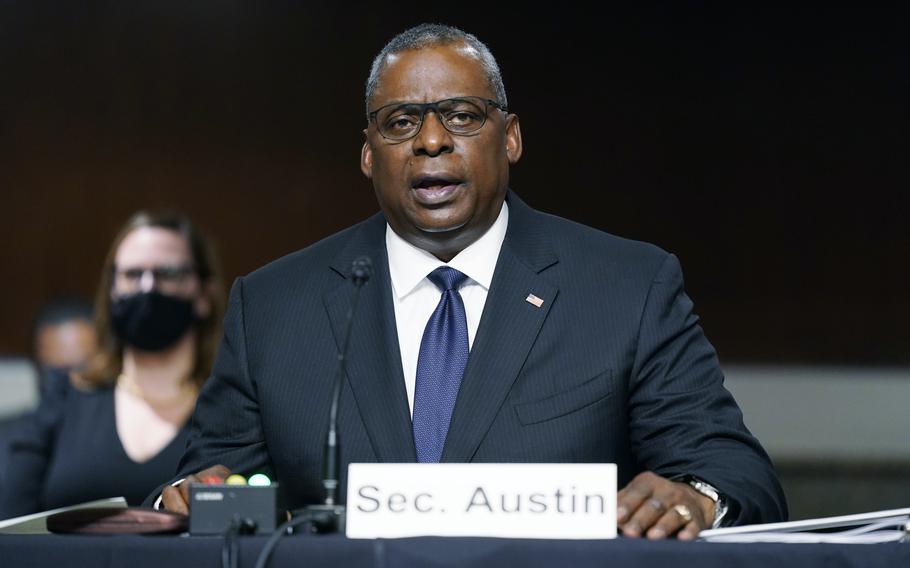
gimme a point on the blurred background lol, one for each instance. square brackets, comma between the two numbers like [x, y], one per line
[766, 146]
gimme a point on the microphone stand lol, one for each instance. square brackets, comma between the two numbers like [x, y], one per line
[329, 516]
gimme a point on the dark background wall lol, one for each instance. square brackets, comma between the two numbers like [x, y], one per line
[766, 146]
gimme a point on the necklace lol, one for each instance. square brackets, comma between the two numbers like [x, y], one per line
[186, 390]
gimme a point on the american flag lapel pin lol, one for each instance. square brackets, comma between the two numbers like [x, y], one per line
[534, 300]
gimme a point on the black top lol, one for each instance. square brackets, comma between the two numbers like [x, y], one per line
[69, 452]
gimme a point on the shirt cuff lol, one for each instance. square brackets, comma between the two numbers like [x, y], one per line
[157, 504]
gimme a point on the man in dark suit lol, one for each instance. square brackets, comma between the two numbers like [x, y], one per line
[538, 339]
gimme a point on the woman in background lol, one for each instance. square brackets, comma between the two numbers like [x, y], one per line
[120, 427]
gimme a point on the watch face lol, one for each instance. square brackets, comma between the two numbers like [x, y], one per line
[706, 490]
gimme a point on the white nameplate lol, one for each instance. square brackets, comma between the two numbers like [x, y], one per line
[564, 501]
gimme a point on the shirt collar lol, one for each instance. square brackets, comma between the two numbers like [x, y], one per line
[409, 265]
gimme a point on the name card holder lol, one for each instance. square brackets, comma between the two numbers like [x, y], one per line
[558, 501]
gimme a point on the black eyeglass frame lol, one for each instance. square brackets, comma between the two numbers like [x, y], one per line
[164, 273]
[434, 106]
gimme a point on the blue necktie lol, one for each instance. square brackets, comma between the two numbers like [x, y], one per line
[440, 365]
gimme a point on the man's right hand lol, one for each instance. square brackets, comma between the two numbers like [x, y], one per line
[177, 499]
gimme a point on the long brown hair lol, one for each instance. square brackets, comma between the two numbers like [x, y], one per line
[107, 365]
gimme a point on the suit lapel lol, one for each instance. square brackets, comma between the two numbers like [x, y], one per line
[373, 361]
[508, 328]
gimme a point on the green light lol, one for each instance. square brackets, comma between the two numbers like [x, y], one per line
[259, 480]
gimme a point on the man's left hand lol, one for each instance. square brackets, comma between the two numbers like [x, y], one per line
[656, 507]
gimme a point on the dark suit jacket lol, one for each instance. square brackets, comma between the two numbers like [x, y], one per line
[613, 367]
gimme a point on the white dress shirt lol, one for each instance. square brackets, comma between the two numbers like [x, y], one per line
[415, 297]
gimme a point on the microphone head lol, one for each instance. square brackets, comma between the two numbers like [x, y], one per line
[361, 270]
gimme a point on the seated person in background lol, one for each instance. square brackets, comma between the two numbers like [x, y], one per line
[63, 341]
[562, 343]
[159, 307]
[64, 338]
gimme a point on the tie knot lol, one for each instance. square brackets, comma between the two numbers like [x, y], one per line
[447, 278]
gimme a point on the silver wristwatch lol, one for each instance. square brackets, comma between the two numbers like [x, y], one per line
[711, 492]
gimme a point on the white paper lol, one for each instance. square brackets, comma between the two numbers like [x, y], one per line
[864, 528]
[36, 523]
[812, 538]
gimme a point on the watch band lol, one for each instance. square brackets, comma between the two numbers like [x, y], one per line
[720, 502]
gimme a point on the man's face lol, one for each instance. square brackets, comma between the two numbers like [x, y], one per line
[66, 345]
[440, 191]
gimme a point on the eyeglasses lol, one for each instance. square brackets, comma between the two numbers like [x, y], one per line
[129, 279]
[462, 115]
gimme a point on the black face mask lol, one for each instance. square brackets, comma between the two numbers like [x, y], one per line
[151, 321]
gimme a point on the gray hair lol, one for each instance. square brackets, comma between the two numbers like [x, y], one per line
[427, 35]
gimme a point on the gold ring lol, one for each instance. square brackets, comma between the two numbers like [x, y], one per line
[683, 512]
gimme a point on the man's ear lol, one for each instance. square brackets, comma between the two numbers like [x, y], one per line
[513, 139]
[366, 157]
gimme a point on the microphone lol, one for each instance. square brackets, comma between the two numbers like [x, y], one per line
[328, 516]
